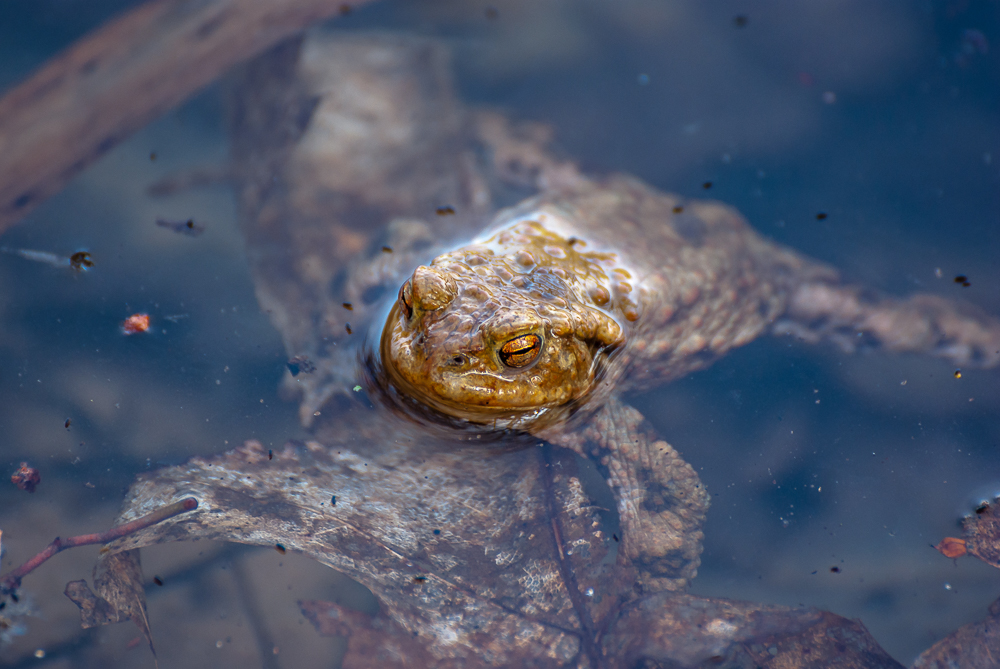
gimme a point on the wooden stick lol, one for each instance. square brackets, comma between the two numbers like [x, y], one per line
[123, 75]
[12, 580]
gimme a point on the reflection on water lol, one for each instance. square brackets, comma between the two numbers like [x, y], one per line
[829, 475]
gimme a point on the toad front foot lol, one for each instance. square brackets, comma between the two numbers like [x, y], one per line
[661, 501]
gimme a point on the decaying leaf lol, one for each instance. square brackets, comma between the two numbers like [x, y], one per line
[684, 631]
[976, 645]
[981, 532]
[120, 594]
[478, 557]
[972, 646]
[465, 546]
[372, 640]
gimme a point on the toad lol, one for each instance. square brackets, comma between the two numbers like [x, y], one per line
[593, 289]
[587, 290]
[580, 293]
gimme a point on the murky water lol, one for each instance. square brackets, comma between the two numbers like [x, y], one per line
[883, 118]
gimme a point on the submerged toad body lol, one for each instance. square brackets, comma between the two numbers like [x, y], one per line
[571, 298]
[592, 289]
[601, 286]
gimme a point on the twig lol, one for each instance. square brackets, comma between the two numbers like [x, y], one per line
[123, 75]
[12, 580]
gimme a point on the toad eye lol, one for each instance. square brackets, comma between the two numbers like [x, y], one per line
[521, 350]
[406, 299]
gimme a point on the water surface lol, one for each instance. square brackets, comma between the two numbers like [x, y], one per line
[863, 135]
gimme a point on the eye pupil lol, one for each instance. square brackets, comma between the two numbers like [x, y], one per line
[521, 351]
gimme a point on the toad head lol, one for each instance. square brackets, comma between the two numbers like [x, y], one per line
[500, 332]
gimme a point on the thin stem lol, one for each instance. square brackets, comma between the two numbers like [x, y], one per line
[12, 580]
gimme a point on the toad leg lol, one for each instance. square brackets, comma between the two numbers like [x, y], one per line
[851, 318]
[661, 501]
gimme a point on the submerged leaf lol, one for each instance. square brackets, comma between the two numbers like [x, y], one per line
[972, 646]
[120, 594]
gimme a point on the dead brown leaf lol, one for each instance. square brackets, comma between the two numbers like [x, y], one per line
[972, 646]
[120, 593]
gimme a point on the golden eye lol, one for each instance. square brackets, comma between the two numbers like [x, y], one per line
[406, 299]
[521, 350]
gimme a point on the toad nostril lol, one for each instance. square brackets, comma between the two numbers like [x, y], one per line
[457, 360]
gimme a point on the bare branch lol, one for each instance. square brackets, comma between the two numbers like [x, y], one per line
[123, 75]
[12, 579]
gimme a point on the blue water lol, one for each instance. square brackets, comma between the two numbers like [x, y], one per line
[883, 116]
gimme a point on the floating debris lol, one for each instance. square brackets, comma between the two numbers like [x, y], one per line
[962, 280]
[186, 227]
[951, 547]
[300, 363]
[79, 261]
[26, 478]
[445, 211]
[11, 616]
[135, 324]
